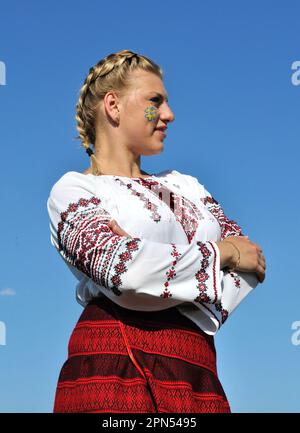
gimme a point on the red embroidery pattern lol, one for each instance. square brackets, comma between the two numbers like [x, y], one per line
[224, 313]
[84, 396]
[237, 280]
[171, 273]
[177, 359]
[185, 211]
[187, 214]
[120, 267]
[202, 276]
[83, 233]
[94, 338]
[218, 306]
[147, 203]
[228, 228]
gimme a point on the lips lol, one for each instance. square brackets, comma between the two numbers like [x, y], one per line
[162, 128]
[161, 132]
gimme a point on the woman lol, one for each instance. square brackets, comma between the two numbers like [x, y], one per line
[159, 265]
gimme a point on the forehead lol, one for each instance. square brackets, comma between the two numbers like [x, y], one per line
[146, 82]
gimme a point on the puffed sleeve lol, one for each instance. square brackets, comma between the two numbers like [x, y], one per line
[136, 273]
[235, 286]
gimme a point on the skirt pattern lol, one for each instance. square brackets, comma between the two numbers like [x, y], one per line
[121, 360]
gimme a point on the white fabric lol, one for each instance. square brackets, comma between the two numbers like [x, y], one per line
[172, 258]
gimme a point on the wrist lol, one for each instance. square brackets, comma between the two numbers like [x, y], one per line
[227, 254]
[235, 257]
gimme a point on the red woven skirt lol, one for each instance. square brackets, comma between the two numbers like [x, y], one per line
[121, 360]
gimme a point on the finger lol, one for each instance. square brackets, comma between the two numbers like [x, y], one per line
[114, 226]
[261, 268]
[112, 223]
[117, 229]
[262, 261]
[260, 277]
[260, 274]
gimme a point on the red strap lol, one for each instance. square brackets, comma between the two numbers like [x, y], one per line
[132, 356]
[128, 345]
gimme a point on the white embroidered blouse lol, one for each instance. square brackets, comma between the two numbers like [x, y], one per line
[171, 259]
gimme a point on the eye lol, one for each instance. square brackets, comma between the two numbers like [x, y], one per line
[156, 98]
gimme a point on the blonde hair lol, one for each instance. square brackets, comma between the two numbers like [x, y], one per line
[112, 73]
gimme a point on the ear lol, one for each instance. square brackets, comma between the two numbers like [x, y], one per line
[111, 105]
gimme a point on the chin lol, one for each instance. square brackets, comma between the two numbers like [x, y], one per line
[151, 148]
[152, 151]
[159, 146]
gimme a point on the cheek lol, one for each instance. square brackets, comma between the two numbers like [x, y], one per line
[151, 113]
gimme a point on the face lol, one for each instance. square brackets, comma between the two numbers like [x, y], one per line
[143, 109]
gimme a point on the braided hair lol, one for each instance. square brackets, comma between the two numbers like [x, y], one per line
[110, 73]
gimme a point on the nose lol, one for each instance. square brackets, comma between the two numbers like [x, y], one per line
[166, 114]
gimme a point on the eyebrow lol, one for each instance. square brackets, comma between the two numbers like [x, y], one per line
[161, 96]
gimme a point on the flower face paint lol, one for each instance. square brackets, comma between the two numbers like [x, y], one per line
[151, 113]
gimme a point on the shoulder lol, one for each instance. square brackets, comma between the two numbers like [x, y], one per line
[71, 187]
[73, 179]
[73, 194]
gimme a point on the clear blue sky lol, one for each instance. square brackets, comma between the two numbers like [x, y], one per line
[228, 70]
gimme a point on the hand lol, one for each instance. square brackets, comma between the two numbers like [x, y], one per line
[251, 256]
[114, 226]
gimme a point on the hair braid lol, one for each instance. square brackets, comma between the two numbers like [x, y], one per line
[110, 73]
[83, 124]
